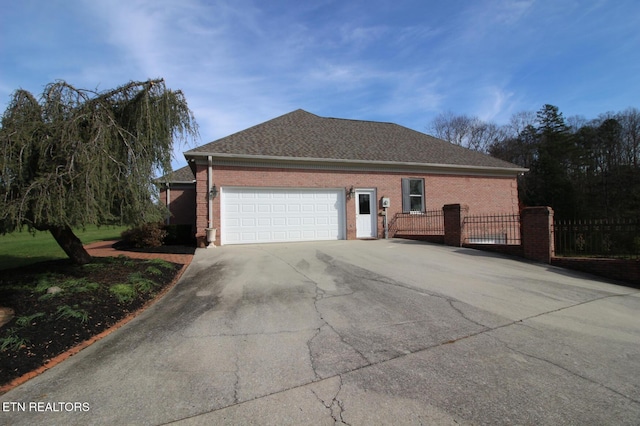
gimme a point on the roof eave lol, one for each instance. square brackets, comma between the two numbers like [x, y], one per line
[174, 182]
[337, 161]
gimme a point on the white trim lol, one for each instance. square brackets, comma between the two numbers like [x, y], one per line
[168, 203]
[340, 164]
[209, 200]
[373, 202]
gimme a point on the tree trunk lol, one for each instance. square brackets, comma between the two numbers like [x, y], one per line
[71, 244]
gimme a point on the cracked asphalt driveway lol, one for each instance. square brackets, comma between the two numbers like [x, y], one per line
[360, 332]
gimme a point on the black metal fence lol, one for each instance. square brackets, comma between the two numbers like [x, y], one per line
[599, 238]
[430, 222]
[492, 229]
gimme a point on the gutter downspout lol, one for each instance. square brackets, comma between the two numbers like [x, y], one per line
[210, 231]
[168, 202]
[209, 181]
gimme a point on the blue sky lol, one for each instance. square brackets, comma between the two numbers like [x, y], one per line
[242, 62]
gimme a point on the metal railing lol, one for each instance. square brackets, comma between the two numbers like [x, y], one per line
[600, 238]
[430, 222]
[492, 229]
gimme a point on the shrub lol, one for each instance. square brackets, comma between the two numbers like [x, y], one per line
[28, 320]
[160, 263]
[11, 341]
[146, 235]
[66, 311]
[123, 292]
[152, 270]
[140, 283]
[179, 235]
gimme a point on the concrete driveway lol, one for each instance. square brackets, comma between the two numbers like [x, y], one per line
[357, 332]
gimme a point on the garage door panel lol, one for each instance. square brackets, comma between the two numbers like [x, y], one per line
[249, 237]
[294, 235]
[279, 221]
[233, 222]
[294, 221]
[265, 221]
[256, 215]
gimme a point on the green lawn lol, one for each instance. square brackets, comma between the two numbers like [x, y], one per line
[23, 248]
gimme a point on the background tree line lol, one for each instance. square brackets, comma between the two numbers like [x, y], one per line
[581, 168]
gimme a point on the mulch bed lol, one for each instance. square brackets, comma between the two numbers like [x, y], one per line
[51, 332]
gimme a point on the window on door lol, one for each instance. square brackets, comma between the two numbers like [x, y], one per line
[412, 195]
[364, 204]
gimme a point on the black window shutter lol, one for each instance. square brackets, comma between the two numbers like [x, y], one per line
[406, 199]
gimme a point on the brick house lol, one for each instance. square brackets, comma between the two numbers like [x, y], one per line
[301, 177]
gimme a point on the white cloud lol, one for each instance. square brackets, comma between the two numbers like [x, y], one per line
[495, 104]
[360, 37]
[241, 62]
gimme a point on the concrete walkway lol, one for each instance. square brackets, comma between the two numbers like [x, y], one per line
[360, 333]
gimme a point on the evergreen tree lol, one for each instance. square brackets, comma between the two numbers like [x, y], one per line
[588, 169]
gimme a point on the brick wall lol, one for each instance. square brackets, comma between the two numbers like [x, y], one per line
[181, 200]
[454, 215]
[618, 269]
[482, 194]
[537, 233]
[538, 244]
[536, 227]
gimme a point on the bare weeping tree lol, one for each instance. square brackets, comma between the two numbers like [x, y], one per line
[77, 157]
[466, 131]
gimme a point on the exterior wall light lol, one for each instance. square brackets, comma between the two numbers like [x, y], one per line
[213, 192]
[350, 192]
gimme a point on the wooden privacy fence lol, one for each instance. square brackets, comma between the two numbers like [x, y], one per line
[600, 238]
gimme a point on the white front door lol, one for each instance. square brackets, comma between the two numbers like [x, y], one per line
[366, 220]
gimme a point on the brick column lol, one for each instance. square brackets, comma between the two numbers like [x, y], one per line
[537, 233]
[454, 215]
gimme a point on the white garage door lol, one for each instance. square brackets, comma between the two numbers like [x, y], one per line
[262, 215]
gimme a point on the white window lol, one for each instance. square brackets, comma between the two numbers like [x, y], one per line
[413, 195]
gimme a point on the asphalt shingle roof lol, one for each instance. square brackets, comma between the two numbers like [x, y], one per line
[183, 174]
[300, 134]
